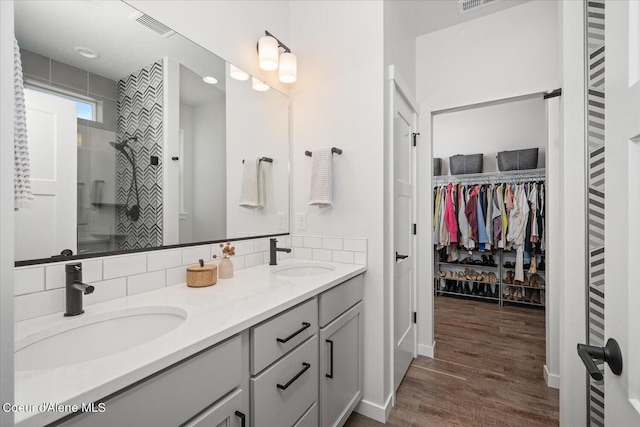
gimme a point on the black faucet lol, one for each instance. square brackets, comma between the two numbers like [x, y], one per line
[75, 289]
[273, 260]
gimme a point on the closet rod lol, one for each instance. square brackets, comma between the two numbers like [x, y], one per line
[492, 177]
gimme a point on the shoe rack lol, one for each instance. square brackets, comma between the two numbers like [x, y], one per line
[487, 276]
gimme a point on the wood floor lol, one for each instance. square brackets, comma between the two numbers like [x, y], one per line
[487, 371]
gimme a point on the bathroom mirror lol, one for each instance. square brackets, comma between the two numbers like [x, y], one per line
[140, 138]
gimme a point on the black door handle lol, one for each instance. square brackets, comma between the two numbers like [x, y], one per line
[305, 366]
[242, 418]
[610, 353]
[401, 256]
[305, 325]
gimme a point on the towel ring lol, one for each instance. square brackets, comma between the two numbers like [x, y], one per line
[333, 150]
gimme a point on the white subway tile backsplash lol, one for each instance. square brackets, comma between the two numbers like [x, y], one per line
[38, 304]
[296, 241]
[126, 265]
[190, 256]
[261, 245]
[312, 242]
[238, 262]
[284, 255]
[343, 256]
[243, 247]
[54, 276]
[302, 253]
[161, 260]
[92, 271]
[252, 260]
[29, 280]
[266, 259]
[331, 243]
[322, 255]
[145, 282]
[360, 258]
[357, 245]
[176, 276]
[107, 290]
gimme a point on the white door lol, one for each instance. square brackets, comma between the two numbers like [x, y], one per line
[52, 131]
[403, 294]
[622, 214]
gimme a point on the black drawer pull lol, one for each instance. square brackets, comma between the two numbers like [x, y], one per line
[330, 360]
[305, 325]
[304, 369]
[242, 418]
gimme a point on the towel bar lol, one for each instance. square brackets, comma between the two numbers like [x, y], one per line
[333, 150]
[264, 159]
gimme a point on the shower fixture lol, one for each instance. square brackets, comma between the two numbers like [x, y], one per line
[133, 212]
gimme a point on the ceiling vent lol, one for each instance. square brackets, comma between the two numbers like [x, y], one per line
[465, 6]
[155, 26]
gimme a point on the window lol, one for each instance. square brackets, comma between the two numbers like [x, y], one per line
[86, 108]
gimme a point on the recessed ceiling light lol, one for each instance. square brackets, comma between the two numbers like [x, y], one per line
[237, 73]
[86, 52]
[210, 80]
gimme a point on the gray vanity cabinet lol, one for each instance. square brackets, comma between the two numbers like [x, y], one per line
[341, 352]
[175, 395]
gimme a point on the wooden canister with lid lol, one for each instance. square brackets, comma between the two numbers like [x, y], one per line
[200, 276]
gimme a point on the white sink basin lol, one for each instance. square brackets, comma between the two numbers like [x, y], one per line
[301, 270]
[85, 338]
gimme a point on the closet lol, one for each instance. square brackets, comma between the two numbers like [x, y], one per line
[489, 236]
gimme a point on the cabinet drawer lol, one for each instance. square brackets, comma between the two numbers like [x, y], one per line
[339, 299]
[175, 395]
[281, 334]
[310, 418]
[228, 412]
[283, 392]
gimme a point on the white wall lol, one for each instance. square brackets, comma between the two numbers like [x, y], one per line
[489, 130]
[228, 28]
[400, 41]
[6, 210]
[507, 54]
[338, 101]
[209, 170]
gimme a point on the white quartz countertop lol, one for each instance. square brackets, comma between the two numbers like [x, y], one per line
[213, 314]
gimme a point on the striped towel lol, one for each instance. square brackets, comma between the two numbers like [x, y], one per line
[321, 193]
[252, 193]
[23, 196]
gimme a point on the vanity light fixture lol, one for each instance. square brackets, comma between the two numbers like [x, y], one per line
[258, 85]
[86, 52]
[268, 58]
[237, 73]
[210, 80]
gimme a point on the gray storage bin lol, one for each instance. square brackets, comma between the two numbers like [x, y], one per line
[518, 159]
[437, 166]
[468, 163]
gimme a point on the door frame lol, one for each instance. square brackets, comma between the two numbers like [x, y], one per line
[554, 179]
[396, 84]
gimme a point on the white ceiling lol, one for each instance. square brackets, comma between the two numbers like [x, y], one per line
[53, 28]
[434, 15]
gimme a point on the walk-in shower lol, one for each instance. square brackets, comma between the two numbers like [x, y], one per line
[133, 212]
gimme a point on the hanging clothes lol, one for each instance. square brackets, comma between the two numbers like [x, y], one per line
[463, 223]
[450, 216]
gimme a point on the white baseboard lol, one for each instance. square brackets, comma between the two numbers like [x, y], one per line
[427, 350]
[552, 380]
[374, 411]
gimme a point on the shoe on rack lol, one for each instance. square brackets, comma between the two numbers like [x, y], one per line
[496, 291]
[508, 264]
[485, 260]
[474, 289]
[509, 279]
[466, 289]
[481, 291]
[442, 273]
[541, 265]
[539, 283]
[492, 262]
[527, 294]
[526, 281]
[535, 297]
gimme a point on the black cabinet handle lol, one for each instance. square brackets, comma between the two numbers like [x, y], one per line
[330, 360]
[243, 421]
[305, 325]
[401, 256]
[610, 353]
[304, 369]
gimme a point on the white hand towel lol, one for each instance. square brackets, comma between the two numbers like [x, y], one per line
[321, 193]
[252, 195]
[23, 196]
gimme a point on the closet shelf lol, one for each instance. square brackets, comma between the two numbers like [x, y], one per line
[513, 177]
[470, 266]
[457, 294]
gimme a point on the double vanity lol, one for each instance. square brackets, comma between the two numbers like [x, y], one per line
[273, 346]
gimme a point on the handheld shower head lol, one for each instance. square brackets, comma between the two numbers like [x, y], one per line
[120, 145]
